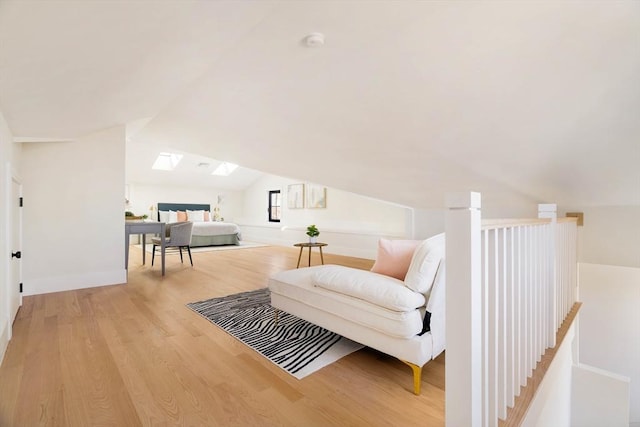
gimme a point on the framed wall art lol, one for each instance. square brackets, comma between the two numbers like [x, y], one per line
[316, 196]
[295, 196]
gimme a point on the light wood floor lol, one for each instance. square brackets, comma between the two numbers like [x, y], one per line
[134, 355]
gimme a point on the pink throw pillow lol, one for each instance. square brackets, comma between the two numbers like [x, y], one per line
[182, 216]
[206, 216]
[394, 257]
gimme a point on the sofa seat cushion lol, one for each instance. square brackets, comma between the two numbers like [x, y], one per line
[375, 288]
[298, 285]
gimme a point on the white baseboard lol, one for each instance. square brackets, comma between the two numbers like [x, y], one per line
[4, 338]
[77, 281]
[340, 242]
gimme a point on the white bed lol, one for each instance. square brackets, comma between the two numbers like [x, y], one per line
[205, 232]
[215, 233]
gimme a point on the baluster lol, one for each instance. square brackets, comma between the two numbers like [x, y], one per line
[463, 370]
[501, 286]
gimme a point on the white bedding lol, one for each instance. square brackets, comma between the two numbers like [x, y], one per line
[214, 228]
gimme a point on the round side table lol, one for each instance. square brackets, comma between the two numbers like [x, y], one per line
[309, 245]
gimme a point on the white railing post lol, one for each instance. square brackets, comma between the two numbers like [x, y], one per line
[463, 368]
[550, 210]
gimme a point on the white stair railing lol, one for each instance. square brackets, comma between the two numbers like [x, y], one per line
[510, 284]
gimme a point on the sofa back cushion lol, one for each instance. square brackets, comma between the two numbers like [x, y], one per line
[394, 257]
[424, 264]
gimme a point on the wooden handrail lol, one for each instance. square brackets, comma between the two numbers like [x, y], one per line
[568, 219]
[489, 224]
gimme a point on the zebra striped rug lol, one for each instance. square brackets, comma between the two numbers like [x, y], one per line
[295, 345]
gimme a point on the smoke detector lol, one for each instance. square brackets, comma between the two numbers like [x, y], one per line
[314, 40]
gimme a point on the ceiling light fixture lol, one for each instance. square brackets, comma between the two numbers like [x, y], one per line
[314, 40]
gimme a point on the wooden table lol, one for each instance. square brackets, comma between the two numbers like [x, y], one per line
[144, 228]
[309, 245]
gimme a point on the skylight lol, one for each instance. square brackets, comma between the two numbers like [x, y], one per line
[166, 161]
[224, 169]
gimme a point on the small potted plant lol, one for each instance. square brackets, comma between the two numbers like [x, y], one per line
[313, 233]
[130, 216]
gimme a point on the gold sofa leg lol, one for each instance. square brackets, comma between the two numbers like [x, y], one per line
[276, 315]
[417, 377]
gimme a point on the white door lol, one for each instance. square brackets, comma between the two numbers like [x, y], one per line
[15, 236]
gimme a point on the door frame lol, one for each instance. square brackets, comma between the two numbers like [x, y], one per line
[12, 178]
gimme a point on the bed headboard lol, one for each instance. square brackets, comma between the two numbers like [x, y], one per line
[182, 207]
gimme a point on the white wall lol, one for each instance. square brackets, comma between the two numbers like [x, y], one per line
[551, 405]
[427, 222]
[10, 154]
[350, 224]
[609, 288]
[73, 213]
[142, 196]
[345, 211]
[610, 235]
[599, 398]
[609, 323]
[510, 204]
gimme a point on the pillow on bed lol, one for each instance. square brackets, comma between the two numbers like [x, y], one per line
[207, 216]
[182, 216]
[424, 264]
[173, 216]
[394, 257]
[164, 216]
[195, 216]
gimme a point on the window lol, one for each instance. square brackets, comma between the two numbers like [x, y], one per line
[224, 169]
[166, 161]
[275, 206]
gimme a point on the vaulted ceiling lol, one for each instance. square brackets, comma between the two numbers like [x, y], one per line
[404, 101]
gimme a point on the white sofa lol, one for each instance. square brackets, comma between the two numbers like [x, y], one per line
[375, 310]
